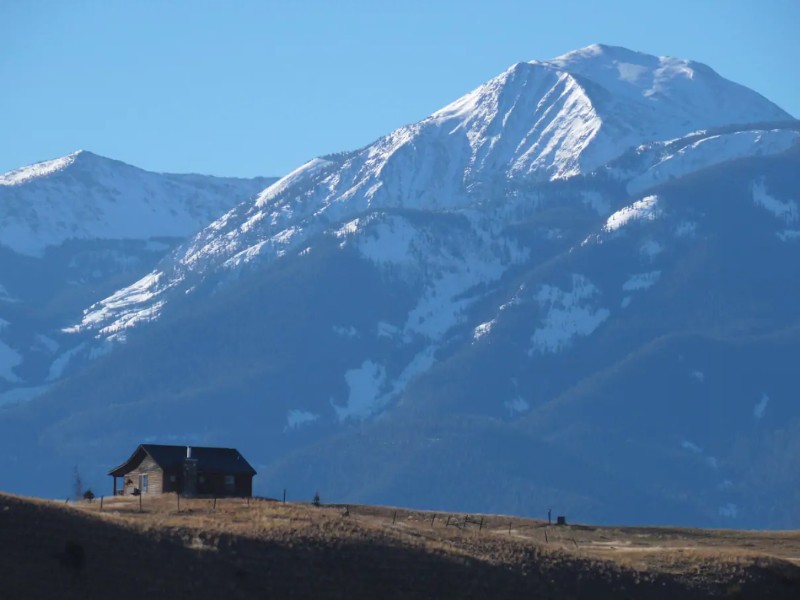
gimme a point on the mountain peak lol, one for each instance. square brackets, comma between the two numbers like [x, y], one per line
[40, 169]
[676, 89]
[621, 69]
[607, 51]
[46, 168]
[87, 196]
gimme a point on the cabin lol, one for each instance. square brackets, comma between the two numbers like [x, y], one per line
[186, 470]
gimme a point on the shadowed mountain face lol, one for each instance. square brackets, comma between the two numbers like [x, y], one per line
[574, 288]
[73, 230]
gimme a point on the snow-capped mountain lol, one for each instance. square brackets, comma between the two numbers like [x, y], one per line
[83, 196]
[469, 312]
[72, 230]
[538, 121]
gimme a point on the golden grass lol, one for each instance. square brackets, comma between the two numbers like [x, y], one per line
[241, 548]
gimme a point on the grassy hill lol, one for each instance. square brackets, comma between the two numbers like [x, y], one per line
[263, 549]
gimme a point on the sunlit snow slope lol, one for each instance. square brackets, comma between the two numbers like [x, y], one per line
[85, 196]
[538, 121]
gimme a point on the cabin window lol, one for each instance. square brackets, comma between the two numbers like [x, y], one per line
[143, 484]
[230, 483]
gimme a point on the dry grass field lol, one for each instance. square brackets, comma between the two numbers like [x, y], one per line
[266, 549]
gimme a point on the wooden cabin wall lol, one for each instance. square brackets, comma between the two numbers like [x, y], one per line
[171, 480]
[155, 477]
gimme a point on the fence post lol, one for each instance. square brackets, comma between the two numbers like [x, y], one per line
[394, 517]
[480, 527]
[509, 528]
[178, 497]
[66, 501]
[284, 495]
[140, 502]
[215, 503]
[433, 518]
[101, 503]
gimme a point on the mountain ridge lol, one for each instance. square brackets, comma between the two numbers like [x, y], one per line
[446, 170]
[83, 196]
[439, 320]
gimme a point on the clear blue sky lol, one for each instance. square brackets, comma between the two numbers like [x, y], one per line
[256, 88]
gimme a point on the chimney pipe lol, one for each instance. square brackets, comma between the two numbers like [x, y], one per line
[188, 452]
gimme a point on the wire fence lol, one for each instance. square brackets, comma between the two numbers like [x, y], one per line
[400, 518]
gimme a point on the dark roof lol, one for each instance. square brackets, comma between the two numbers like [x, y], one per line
[227, 460]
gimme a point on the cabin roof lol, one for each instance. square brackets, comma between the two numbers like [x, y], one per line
[227, 460]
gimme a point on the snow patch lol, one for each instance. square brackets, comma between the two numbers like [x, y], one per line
[645, 209]
[347, 332]
[482, 330]
[22, 394]
[365, 384]
[761, 406]
[597, 201]
[349, 228]
[296, 418]
[641, 281]
[567, 315]
[60, 364]
[421, 362]
[9, 358]
[630, 72]
[517, 406]
[650, 249]
[42, 341]
[384, 329]
[789, 235]
[5, 296]
[709, 461]
[691, 447]
[785, 211]
[685, 229]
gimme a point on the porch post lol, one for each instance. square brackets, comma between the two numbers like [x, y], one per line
[114, 492]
